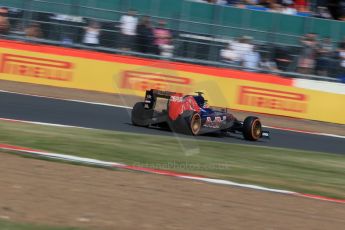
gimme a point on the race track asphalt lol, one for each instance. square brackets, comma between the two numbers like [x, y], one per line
[31, 108]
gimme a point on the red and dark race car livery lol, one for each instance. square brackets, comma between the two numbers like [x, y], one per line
[189, 114]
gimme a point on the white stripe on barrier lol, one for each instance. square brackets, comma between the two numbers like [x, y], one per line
[323, 86]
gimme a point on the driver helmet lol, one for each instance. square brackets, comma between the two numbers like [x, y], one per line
[200, 101]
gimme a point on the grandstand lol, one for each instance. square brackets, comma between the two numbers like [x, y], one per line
[298, 45]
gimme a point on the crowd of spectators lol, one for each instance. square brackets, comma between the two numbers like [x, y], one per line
[318, 56]
[243, 52]
[32, 30]
[329, 9]
[136, 34]
[314, 56]
[140, 35]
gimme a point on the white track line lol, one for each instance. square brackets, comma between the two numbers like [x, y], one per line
[90, 161]
[44, 123]
[127, 107]
[71, 100]
[305, 132]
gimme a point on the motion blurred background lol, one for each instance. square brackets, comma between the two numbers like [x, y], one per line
[298, 38]
[280, 60]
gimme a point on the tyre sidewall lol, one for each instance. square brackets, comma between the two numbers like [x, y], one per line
[249, 126]
[140, 115]
[183, 123]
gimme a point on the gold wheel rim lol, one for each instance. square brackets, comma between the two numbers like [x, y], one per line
[195, 124]
[256, 129]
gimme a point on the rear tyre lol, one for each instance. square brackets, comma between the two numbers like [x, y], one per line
[188, 123]
[140, 115]
[252, 128]
[195, 124]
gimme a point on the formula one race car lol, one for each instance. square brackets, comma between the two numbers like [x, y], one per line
[189, 114]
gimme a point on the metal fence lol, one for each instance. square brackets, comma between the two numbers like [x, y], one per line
[200, 32]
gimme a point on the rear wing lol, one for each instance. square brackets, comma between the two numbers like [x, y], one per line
[152, 95]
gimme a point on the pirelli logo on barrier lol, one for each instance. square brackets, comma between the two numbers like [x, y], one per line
[272, 99]
[142, 81]
[34, 67]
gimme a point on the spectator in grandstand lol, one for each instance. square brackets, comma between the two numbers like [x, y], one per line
[265, 3]
[251, 2]
[306, 60]
[211, 1]
[244, 46]
[128, 27]
[33, 31]
[275, 7]
[336, 8]
[229, 54]
[92, 34]
[163, 39]
[342, 10]
[288, 8]
[301, 5]
[282, 58]
[324, 54]
[234, 53]
[222, 2]
[266, 64]
[145, 36]
[233, 2]
[4, 22]
[322, 12]
[201, 1]
[237, 50]
[341, 56]
[251, 59]
[15, 16]
[219, 2]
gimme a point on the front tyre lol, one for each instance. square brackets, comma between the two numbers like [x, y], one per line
[252, 128]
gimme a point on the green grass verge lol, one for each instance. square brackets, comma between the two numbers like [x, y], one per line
[302, 171]
[7, 225]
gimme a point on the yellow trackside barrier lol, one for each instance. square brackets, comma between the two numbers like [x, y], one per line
[124, 75]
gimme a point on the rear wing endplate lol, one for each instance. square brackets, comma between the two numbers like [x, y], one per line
[152, 95]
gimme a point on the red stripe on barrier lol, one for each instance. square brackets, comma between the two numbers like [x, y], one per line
[217, 72]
